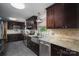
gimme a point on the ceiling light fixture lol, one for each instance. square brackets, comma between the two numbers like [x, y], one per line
[18, 5]
[11, 18]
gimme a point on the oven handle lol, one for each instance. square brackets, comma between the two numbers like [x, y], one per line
[44, 43]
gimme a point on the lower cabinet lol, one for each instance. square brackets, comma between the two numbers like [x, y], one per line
[15, 37]
[48, 49]
[33, 46]
[61, 51]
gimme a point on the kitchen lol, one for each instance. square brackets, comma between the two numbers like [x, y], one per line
[39, 29]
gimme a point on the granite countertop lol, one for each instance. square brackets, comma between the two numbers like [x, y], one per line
[69, 42]
[13, 31]
[66, 42]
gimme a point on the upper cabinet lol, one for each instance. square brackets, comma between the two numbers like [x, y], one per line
[15, 25]
[71, 15]
[50, 21]
[59, 15]
[62, 15]
[31, 22]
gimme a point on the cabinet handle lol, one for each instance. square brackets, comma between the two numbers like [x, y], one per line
[45, 43]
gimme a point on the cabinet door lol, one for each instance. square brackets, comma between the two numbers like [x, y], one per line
[33, 46]
[11, 37]
[59, 15]
[55, 50]
[31, 22]
[71, 15]
[50, 23]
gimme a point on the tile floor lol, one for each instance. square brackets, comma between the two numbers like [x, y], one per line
[18, 49]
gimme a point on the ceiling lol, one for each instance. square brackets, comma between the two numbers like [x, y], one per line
[6, 10]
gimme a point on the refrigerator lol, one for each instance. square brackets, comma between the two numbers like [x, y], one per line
[1, 37]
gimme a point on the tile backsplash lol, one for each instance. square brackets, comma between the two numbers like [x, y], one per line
[66, 32]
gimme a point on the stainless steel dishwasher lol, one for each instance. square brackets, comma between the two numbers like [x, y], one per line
[45, 48]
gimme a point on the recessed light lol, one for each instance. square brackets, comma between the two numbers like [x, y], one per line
[18, 5]
[11, 18]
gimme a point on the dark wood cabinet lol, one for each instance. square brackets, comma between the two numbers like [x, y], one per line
[50, 17]
[61, 51]
[33, 46]
[71, 15]
[15, 25]
[15, 37]
[63, 15]
[31, 23]
[58, 15]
